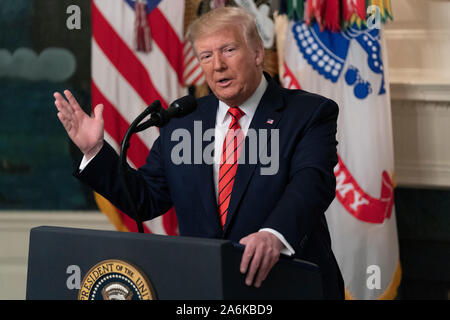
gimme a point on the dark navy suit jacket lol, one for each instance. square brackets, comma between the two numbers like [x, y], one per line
[292, 201]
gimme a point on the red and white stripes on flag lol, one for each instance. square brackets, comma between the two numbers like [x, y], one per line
[125, 81]
[193, 74]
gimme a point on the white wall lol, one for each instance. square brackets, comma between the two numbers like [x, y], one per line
[418, 44]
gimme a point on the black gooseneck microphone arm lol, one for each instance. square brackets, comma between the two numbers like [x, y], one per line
[155, 107]
[158, 117]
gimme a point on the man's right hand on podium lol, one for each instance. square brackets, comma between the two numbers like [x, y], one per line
[85, 131]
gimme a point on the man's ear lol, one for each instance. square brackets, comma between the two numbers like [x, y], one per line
[259, 57]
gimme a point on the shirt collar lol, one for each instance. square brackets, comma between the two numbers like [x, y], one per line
[249, 106]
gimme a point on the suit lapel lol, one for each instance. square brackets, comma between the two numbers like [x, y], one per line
[266, 117]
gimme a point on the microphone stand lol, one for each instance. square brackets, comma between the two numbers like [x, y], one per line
[154, 110]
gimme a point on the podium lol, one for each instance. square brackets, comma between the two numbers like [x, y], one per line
[67, 263]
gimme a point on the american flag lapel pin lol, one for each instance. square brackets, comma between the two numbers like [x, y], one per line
[269, 121]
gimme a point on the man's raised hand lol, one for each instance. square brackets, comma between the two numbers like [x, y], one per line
[85, 131]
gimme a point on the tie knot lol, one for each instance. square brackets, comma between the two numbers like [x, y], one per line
[236, 113]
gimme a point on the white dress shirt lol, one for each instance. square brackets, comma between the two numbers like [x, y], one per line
[223, 120]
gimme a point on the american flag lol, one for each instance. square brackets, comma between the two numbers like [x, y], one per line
[125, 81]
[193, 74]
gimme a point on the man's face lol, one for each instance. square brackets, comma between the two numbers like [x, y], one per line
[232, 67]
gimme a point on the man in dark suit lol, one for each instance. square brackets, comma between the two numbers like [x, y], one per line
[270, 212]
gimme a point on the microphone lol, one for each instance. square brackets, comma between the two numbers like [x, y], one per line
[177, 109]
[182, 107]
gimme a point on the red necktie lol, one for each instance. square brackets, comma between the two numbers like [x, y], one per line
[232, 147]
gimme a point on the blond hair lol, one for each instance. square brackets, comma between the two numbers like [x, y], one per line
[222, 18]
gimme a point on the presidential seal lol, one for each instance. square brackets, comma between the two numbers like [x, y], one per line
[115, 280]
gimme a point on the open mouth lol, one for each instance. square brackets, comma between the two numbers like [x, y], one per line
[224, 82]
